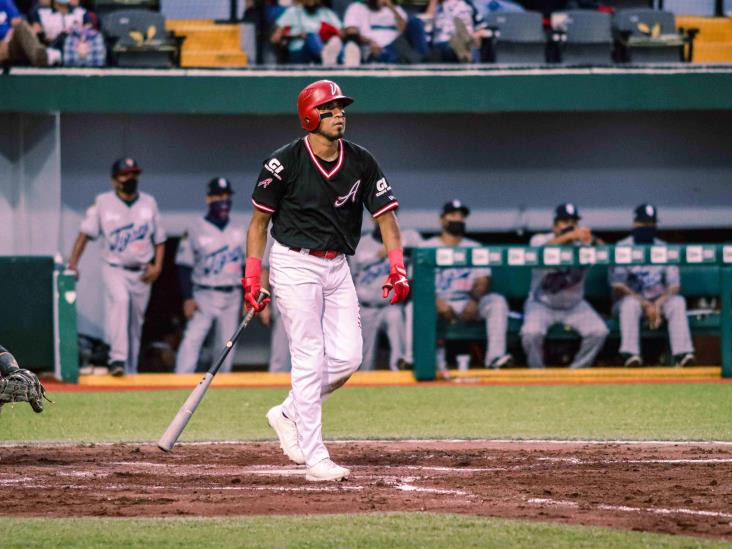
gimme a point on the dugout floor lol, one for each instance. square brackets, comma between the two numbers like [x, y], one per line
[477, 376]
[676, 488]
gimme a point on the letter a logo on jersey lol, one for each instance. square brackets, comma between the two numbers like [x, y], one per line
[341, 200]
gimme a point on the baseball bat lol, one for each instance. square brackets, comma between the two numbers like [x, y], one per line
[181, 419]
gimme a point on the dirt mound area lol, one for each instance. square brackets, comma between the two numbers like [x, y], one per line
[672, 488]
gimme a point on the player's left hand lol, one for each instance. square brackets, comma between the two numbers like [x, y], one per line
[152, 272]
[397, 278]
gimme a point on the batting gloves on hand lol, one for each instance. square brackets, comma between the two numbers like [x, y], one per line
[397, 278]
[252, 274]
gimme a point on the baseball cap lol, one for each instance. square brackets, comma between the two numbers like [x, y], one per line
[645, 212]
[125, 165]
[219, 185]
[455, 206]
[567, 210]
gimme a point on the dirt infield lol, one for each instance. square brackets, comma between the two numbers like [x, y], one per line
[672, 488]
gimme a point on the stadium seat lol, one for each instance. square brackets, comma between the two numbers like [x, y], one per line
[648, 36]
[209, 44]
[584, 37]
[714, 42]
[518, 38]
[139, 39]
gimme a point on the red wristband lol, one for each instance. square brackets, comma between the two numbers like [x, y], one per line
[396, 257]
[253, 267]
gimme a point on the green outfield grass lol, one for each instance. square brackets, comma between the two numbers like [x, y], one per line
[663, 411]
[422, 530]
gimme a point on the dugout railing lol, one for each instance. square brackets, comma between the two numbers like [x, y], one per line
[706, 271]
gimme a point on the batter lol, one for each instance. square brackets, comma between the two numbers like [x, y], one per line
[314, 191]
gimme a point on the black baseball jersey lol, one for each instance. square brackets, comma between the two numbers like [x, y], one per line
[317, 204]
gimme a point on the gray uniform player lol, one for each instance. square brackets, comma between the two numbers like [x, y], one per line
[279, 356]
[650, 291]
[210, 263]
[464, 293]
[557, 296]
[369, 267]
[128, 223]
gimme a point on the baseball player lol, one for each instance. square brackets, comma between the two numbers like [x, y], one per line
[18, 384]
[314, 190]
[650, 292]
[463, 293]
[557, 296]
[370, 265]
[133, 246]
[210, 262]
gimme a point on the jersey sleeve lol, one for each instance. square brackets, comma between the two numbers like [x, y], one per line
[270, 187]
[539, 240]
[90, 224]
[378, 196]
[184, 256]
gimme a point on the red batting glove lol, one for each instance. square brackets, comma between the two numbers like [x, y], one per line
[397, 278]
[252, 274]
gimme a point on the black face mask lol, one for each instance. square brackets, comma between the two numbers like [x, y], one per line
[376, 233]
[644, 235]
[567, 229]
[130, 186]
[220, 209]
[455, 228]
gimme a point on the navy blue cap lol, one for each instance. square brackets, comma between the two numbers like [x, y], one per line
[125, 165]
[455, 206]
[219, 185]
[645, 213]
[565, 211]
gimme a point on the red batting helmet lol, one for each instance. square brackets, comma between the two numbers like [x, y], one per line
[316, 94]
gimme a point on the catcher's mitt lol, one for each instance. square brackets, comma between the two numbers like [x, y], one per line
[22, 386]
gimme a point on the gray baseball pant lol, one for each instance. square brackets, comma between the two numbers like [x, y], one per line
[494, 309]
[373, 320]
[125, 300]
[223, 308]
[582, 318]
[673, 310]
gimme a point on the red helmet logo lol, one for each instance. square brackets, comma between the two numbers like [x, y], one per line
[312, 96]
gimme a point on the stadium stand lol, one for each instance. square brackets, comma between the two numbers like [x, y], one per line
[517, 37]
[209, 44]
[713, 44]
[650, 36]
[584, 36]
[138, 38]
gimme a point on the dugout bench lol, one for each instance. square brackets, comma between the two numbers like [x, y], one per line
[706, 270]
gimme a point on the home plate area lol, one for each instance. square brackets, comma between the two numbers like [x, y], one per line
[657, 487]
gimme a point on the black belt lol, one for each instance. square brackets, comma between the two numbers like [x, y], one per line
[134, 269]
[225, 289]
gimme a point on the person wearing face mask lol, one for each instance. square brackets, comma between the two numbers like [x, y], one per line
[128, 222]
[463, 293]
[650, 292]
[369, 267]
[557, 295]
[210, 262]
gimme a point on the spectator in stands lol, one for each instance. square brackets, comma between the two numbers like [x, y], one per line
[311, 32]
[557, 296]
[384, 33]
[650, 292]
[457, 31]
[19, 45]
[464, 293]
[67, 27]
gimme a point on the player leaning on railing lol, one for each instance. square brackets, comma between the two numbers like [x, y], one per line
[19, 385]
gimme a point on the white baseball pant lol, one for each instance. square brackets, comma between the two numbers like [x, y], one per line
[319, 306]
[125, 301]
[221, 308]
[673, 310]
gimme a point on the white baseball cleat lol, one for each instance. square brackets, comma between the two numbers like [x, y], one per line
[287, 433]
[326, 470]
